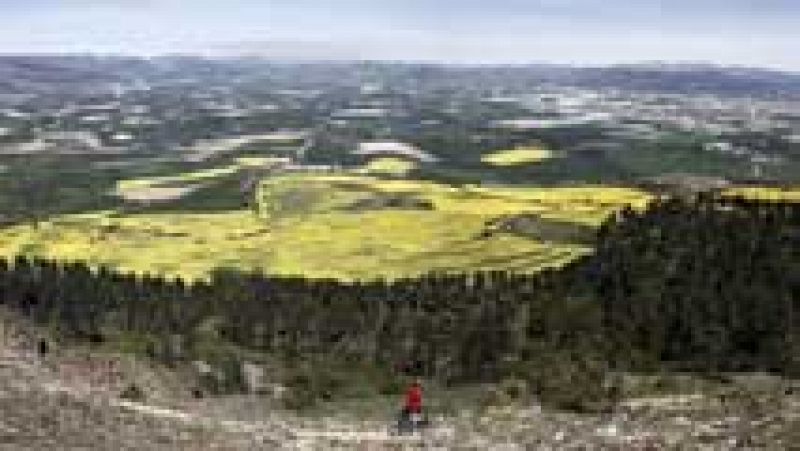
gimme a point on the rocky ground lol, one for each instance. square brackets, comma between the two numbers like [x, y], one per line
[47, 403]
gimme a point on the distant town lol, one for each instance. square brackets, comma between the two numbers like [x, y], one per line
[329, 114]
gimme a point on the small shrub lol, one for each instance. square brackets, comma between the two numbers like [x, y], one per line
[299, 398]
[495, 397]
[300, 392]
[390, 386]
[514, 389]
[231, 375]
[209, 383]
[572, 382]
[133, 392]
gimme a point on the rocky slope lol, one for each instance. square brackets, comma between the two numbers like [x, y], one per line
[46, 403]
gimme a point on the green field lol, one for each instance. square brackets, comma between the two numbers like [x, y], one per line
[348, 225]
[173, 186]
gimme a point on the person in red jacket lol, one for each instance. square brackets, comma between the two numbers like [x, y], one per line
[414, 397]
[411, 415]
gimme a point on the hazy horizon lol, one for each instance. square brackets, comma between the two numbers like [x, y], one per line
[576, 32]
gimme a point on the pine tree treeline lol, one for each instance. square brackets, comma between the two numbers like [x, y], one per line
[706, 284]
[459, 327]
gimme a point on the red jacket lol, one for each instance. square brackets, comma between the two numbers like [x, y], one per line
[414, 399]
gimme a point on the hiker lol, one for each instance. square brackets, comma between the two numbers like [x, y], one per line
[412, 410]
[42, 348]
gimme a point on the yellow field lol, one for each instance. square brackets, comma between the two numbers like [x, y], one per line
[344, 226]
[791, 194]
[586, 205]
[518, 156]
[388, 166]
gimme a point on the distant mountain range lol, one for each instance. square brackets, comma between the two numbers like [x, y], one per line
[21, 73]
[679, 78]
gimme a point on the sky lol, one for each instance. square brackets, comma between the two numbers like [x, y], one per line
[756, 33]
